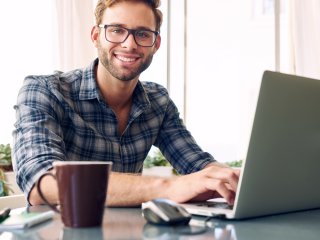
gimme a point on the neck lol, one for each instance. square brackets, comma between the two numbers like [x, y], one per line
[117, 93]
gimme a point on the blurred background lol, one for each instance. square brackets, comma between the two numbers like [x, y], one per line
[212, 56]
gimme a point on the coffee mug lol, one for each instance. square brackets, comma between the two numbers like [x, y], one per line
[82, 190]
[94, 233]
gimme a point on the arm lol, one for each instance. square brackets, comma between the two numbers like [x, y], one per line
[214, 181]
[177, 144]
[49, 189]
[132, 190]
[123, 189]
[37, 136]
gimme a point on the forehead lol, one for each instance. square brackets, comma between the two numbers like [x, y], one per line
[130, 14]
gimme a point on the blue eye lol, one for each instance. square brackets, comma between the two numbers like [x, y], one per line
[143, 34]
[116, 30]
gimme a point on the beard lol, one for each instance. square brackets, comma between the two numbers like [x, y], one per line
[116, 72]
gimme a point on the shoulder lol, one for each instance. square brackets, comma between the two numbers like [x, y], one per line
[159, 98]
[65, 84]
[155, 90]
[36, 85]
[58, 83]
[56, 79]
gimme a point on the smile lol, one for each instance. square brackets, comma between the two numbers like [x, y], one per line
[126, 59]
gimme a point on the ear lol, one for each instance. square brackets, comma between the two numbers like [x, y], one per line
[95, 33]
[157, 44]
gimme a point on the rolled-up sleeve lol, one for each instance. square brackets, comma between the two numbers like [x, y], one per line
[177, 144]
[37, 138]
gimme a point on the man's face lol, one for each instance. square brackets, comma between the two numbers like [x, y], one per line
[125, 61]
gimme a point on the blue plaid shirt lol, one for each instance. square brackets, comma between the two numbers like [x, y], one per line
[62, 117]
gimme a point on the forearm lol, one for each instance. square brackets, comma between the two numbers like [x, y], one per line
[217, 164]
[216, 180]
[131, 190]
[49, 189]
[123, 190]
[126, 190]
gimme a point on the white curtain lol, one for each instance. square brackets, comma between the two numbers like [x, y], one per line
[74, 21]
[305, 37]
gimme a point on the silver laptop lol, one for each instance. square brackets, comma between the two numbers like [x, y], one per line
[281, 171]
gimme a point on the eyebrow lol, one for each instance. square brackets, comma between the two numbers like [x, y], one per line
[124, 25]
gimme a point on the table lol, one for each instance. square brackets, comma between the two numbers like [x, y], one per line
[127, 223]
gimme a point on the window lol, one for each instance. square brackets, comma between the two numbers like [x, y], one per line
[228, 48]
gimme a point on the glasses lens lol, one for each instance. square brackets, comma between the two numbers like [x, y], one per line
[145, 38]
[116, 34]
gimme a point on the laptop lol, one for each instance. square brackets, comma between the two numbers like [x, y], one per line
[281, 171]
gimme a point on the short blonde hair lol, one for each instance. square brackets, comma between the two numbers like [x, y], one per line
[102, 5]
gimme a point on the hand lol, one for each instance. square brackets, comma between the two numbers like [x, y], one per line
[216, 180]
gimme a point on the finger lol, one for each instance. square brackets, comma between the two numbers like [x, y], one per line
[237, 172]
[221, 188]
[227, 194]
[227, 175]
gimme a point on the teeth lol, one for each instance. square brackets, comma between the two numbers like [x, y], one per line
[126, 59]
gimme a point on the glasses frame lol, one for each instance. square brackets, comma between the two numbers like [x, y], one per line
[130, 31]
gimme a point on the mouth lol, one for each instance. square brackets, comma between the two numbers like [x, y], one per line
[127, 59]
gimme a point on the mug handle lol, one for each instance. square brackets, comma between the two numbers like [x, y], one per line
[53, 207]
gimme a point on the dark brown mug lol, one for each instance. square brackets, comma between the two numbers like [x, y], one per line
[94, 233]
[82, 189]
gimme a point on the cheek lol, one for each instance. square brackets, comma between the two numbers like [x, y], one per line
[104, 46]
[151, 52]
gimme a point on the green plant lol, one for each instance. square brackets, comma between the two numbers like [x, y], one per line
[237, 163]
[4, 186]
[157, 159]
[5, 157]
[5, 165]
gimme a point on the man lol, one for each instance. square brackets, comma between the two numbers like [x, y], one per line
[105, 113]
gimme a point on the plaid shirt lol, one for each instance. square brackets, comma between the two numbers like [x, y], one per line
[62, 117]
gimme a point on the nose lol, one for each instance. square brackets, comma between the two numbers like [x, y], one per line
[130, 42]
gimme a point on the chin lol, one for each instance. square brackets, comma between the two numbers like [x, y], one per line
[126, 78]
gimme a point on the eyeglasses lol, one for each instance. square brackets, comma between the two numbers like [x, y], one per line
[117, 34]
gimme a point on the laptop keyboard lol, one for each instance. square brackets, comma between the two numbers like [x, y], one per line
[220, 205]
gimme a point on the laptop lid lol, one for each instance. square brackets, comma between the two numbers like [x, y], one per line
[281, 169]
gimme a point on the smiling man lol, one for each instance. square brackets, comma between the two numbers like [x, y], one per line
[104, 113]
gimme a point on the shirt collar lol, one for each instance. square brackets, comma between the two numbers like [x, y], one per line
[90, 90]
[140, 96]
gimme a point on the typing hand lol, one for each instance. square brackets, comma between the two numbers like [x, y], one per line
[215, 180]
